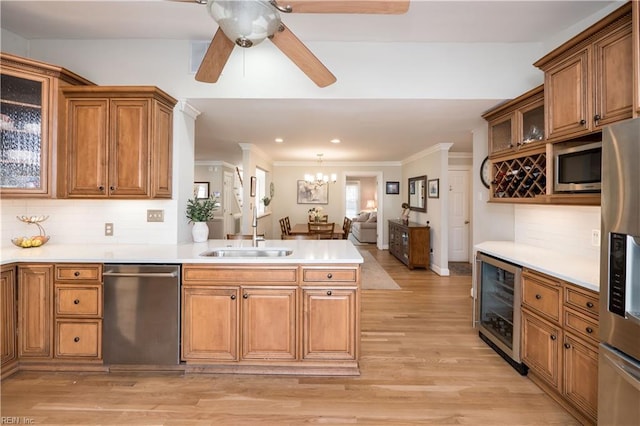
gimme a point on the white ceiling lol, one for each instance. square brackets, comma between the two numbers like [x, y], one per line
[371, 127]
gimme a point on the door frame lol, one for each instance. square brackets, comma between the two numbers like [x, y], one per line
[380, 221]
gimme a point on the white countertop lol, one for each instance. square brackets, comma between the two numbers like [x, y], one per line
[304, 251]
[574, 269]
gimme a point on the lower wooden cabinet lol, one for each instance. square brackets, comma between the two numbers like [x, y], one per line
[560, 342]
[35, 311]
[8, 319]
[78, 339]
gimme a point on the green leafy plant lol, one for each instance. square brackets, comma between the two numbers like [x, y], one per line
[201, 209]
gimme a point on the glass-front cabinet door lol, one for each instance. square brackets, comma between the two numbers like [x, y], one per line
[24, 143]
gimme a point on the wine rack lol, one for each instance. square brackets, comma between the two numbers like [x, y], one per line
[520, 178]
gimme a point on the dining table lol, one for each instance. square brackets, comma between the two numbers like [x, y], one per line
[303, 228]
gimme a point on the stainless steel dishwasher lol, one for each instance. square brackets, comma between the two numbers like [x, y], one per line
[141, 314]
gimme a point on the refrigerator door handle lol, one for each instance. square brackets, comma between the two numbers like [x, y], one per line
[627, 371]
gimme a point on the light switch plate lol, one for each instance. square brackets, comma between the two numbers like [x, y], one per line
[155, 215]
[108, 229]
[595, 237]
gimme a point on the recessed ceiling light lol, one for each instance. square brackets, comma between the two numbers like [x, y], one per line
[335, 140]
[279, 140]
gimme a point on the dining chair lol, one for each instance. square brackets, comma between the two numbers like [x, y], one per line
[288, 224]
[301, 237]
[324, 230]
[242, 236]
[283, 227]
[346, 228]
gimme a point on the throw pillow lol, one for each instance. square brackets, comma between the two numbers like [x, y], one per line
[362, 217]
[372, 219]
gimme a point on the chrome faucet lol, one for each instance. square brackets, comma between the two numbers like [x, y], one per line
[254, 223]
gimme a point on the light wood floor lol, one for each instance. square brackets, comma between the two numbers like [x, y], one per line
[421, 363]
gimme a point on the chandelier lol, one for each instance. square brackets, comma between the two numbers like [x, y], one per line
[320, 178]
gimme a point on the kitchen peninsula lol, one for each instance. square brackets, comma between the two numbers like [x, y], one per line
[295, 313]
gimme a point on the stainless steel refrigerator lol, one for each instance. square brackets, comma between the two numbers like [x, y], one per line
[619, 357]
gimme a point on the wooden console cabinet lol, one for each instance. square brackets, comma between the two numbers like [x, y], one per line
[410, 243]
[272, 319]
[560, 341]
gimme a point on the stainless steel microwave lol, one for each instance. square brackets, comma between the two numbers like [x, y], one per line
[578, 168]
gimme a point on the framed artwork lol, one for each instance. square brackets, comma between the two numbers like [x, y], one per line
[311, 193]
[393, 187]
[253, 186]
[201, 189]
[412, 188]
[433, 188]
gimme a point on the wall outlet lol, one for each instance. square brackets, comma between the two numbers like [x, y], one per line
[155, 215]
[108, 229]
[595, 237]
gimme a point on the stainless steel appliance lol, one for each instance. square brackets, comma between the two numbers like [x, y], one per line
[499, 286]
[141, 314]
[577, 167]
[619, 357]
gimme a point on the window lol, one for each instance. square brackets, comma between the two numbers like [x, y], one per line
[352, 198]
[261, 189]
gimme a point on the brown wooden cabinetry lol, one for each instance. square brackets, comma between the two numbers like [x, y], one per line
[636, 56]
[589, 79]
[410, 243]
[559, 341]
[115, 142]
[35, 312]
[8, 320]
[29, 107]
[247, 318]
[78, 311]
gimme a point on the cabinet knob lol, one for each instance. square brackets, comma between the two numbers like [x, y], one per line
[101, 187]
[589, 304]
[76, 339]
[329, 275]
[76, 302]
[538, 296]
[583, 122]
[567, 346]
[597, 117]
[552, 337]
[113, 188]
[328, 292]
[233, 297]
[589, 330]
[245, 296]
[76, 274]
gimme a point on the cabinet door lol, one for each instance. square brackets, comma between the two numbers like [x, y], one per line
[35, 311]
[86, 155]
[268, 323]
[541, 348]
[210, 323]
[502, 132]
[129, 148]
[329, 324]
[8, 311]
[580, 373]
[162, 151]
[566, 93]
[613, 80]
[26, 137]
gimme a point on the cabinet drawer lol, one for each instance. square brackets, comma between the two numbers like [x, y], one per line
[199, 274]
[79, 272]
[78, 300]
[79, 339]
[583, 300]
[542, 298]
[330, 275]
[581, 324]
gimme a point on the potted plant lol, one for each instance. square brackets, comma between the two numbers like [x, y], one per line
[199, 211]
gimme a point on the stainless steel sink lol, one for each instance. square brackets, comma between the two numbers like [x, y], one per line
[247, 252]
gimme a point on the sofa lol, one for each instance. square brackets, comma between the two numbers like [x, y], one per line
[364, 227]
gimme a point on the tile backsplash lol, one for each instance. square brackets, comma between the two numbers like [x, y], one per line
[564, 228]
[83, 221]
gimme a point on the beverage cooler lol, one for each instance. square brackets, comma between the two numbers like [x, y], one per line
[497, 307]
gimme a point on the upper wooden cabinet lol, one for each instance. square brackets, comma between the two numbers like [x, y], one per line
[29, 108]
[517, 124]
[115, 142]
[588, 80]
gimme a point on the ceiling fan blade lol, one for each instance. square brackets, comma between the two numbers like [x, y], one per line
[291, 46]
[392, 7]
[216, 57]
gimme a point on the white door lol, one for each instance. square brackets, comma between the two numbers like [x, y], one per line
[458, 215]
[227, 211]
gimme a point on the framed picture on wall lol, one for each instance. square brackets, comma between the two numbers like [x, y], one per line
[311, 193]
[201, 189]
[433, 187]
[393, 187]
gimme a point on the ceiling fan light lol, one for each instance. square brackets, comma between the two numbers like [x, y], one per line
[246, 22]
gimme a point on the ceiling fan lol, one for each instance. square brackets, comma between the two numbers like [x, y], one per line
[248, 22]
